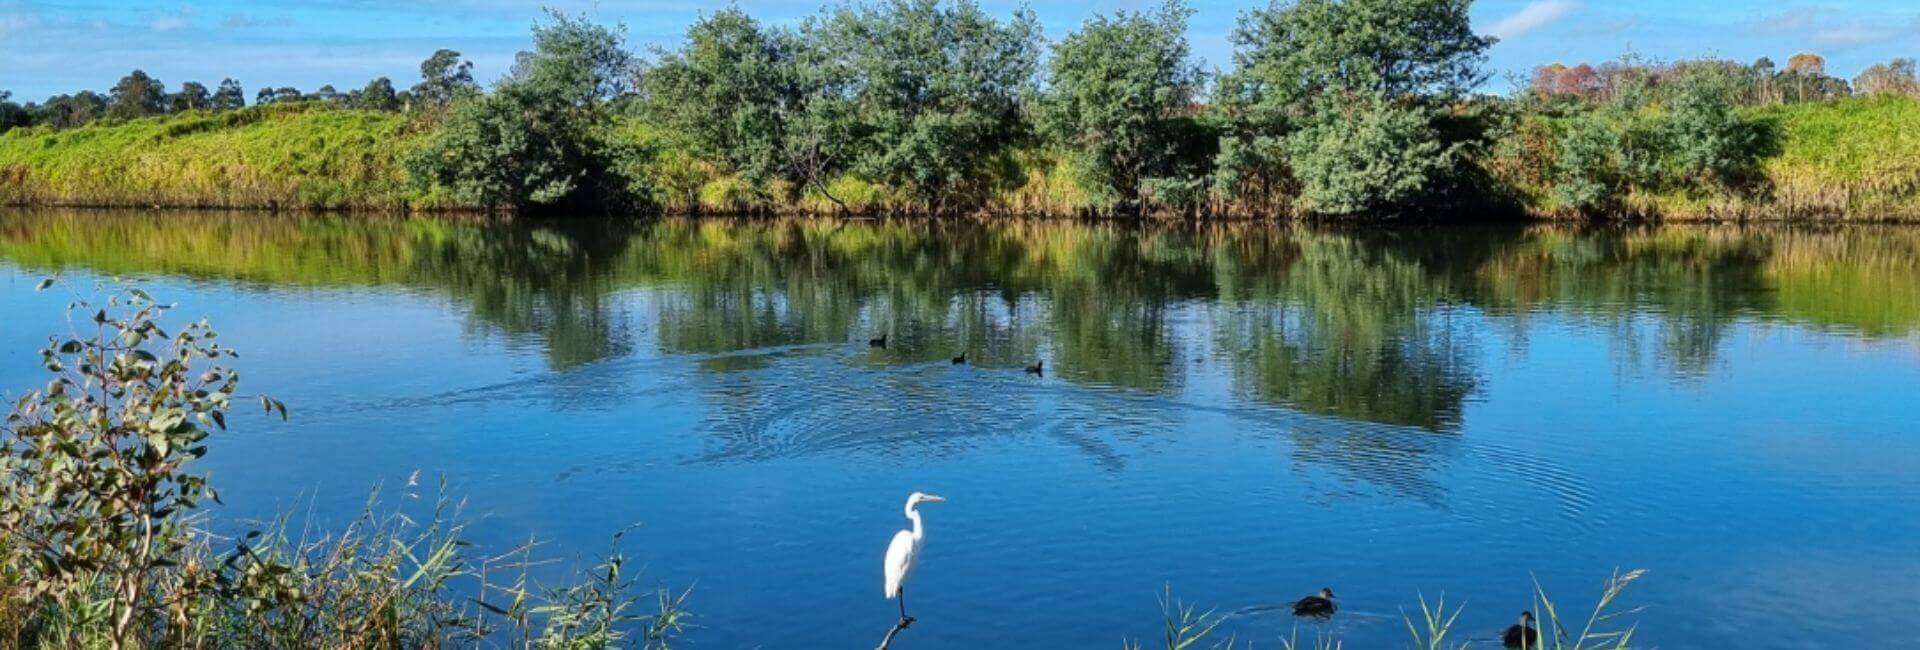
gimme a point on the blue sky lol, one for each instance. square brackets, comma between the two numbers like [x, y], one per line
[49, 46]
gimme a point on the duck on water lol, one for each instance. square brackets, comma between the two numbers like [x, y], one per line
[1522, 634]
[1319, 605]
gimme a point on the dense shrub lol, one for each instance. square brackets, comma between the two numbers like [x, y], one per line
[542, 138]
[930, 92]
[730, 91]
[1343, 96]
[1120, 99]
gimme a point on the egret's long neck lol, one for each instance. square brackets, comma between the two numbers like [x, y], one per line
[914, 515]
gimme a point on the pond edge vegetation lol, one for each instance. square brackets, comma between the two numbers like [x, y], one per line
[105, 540]
[1331, 109]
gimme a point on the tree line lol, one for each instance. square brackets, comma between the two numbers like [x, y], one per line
[444, 77]
[1334, 106]
[1330, 107]
[1804, 79]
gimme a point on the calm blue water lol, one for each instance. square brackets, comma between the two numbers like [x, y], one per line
[1243, 414]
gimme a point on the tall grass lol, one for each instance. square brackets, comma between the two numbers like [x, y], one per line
[1436, 622]
[1854, 158]
[275, 156]
[1601, 627]
[1184, 628]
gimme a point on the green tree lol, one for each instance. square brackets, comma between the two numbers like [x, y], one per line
[229, 96]
[281, 95]
[540, 139]
[67, 111]
[576, 61]
[193, 96]
[11, 114]
[504, 150]
[1585, 174]
[728, 91]
[377, 96]
[329, 95]
[138, 95]
[444, 77]
[1709, 142]
[1314, 69]
[1892, 78]
[1368, 153]
[1120, 90]
[929, 91]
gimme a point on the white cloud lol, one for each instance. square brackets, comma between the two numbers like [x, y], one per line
[1830, 27]
[14, 22]
[1793, 19]
[167, 22]
[251, 21]
[1535, 15]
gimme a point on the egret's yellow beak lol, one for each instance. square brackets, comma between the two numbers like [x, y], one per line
[932, 498]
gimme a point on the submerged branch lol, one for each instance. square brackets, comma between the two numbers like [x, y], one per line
[887, 641]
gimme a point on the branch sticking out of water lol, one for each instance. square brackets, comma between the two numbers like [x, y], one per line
[887, 642]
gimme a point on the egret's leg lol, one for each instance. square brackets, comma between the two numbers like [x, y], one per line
[903, 602]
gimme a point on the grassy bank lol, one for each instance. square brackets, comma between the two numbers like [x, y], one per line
[1852, 159]
[300, 156]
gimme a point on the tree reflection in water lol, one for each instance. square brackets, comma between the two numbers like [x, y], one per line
[1360, 344]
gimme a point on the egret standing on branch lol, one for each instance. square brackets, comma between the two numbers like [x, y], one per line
[904, 551]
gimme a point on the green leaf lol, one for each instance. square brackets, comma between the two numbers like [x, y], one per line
[167, 421]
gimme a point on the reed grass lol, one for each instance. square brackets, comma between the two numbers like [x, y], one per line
[1436, 622]
[1183, 627]
[1320, 641]
[1602, 628]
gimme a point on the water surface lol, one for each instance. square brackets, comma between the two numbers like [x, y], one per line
[1245, 413]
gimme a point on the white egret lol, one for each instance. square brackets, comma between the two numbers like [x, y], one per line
[905, 550]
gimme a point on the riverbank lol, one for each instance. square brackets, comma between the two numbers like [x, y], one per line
[264, 157]
[1855, 159]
